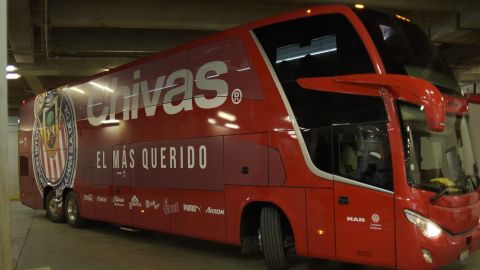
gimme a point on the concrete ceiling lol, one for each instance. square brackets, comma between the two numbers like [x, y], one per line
[53, 42]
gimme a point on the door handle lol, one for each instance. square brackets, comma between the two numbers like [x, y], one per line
[343, 200]
[117, 190]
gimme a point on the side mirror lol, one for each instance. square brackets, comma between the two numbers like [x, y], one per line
[401, 87]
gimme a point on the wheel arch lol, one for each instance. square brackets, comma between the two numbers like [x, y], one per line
[48, 189]
[250, 218]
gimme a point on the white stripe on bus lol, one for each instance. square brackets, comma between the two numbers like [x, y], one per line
[45, 163]
[60, 141]
[57, 164]
[52, 171]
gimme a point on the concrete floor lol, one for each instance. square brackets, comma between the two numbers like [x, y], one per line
[39, 244]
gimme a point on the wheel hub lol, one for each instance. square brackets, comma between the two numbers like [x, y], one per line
[72, 211]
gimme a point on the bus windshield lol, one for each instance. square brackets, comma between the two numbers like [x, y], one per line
[438, 161]
[406, 49]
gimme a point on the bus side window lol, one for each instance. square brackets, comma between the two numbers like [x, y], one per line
[23, 166]
[362, 153]
[317, 46]
[319, 145]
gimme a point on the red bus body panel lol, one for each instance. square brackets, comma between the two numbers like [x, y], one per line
[203, 133]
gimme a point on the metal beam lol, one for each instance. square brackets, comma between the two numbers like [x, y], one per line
[424, 5]
[81, 66]
[20, 34]
[106, 41]
[144, 14]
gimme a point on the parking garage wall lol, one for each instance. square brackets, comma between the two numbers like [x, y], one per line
[13, 189]
[475, 127]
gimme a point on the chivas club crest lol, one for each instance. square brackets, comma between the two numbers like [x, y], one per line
[54, 137]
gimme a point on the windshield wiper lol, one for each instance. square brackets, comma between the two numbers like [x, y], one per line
[439, 194]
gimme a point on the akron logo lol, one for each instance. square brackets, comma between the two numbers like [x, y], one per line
[54, 141]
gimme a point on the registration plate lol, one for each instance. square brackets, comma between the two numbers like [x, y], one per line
[464, 255]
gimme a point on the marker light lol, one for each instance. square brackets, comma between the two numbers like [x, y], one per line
[427, 256]
[309, 11]
[359, 6]
[402, 18]
[428, 228]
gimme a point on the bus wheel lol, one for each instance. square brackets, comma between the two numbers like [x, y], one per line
[271, 237]
[53, 211]
[72, 212]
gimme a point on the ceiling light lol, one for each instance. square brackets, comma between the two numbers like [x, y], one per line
[11, 68]
[12, 76]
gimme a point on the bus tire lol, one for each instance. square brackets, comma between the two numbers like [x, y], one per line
[53, 211]
[272, 239]
[72, 211]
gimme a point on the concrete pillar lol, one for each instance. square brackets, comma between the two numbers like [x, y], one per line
[5, 236]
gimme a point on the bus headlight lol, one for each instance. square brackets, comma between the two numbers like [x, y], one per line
[428, 228]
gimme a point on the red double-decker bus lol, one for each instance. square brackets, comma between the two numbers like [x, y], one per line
[330, 132]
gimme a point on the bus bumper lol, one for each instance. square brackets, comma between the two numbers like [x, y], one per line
[424, 253]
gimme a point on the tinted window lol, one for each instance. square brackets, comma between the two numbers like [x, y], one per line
[362, 153]
[328, 45]
[317, 112]
[314, 108]
[345, 134]
[406, 49]
[447, 155]
[325, 45]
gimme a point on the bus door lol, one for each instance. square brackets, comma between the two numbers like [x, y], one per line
[122, 163]
[364, 201]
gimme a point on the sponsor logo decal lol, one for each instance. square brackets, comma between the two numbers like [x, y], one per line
[215, 211]
[375, 218]
[54, 141]
[101, 199]
[118, 201]
[191, 208]
[375, 225]
[169, 208]
[152, 204]
[88, 197]
[134, 202]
